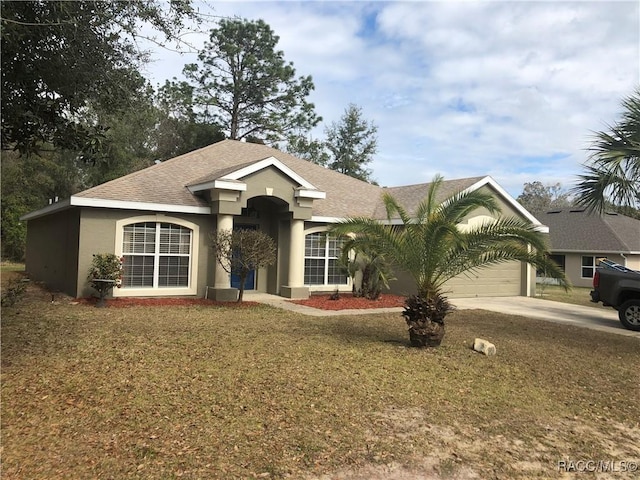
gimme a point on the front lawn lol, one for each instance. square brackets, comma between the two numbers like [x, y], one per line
[575, 296]
[219, 393]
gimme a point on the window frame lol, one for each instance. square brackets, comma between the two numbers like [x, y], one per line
[326, 258]
[156, 290]
[583, 266]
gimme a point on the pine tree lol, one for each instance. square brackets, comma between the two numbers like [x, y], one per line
[352, 142]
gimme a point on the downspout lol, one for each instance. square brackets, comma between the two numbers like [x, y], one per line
[625, 259]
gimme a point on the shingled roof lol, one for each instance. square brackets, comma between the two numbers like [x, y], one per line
[167, 185]
[167, 182]
[576, 230]
[410, 196]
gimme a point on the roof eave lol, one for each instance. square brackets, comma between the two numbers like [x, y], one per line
[75, 201]
[48, 210]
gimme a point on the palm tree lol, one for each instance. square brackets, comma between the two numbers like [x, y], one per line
[374, 268]
[613, 173]
[431, 248]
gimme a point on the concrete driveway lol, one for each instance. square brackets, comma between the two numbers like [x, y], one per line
[603, 319]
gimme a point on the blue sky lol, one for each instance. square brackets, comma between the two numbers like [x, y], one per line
[510, 89]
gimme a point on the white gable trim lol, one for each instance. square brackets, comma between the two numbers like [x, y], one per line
[508, 198]
[268, 162]
[232, 181]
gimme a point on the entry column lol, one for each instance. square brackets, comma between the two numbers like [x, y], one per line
[295, 287]
[222, 290]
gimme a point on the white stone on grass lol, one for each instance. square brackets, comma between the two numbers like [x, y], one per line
[483, 346]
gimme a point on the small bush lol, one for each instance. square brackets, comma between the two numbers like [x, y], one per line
[105, 266]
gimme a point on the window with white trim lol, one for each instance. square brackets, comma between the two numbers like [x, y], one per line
[588, 267]
[321, 254]
[156, 255]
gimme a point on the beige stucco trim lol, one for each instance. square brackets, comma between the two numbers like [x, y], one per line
[219, 184]
[193, 268]
[306, 193]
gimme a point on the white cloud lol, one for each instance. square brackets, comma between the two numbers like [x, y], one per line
[511, 89]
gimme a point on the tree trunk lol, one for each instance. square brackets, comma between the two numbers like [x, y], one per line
[243, 278]
[430, 335]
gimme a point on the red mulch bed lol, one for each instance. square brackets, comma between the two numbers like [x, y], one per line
[348, 301]
[162, 302]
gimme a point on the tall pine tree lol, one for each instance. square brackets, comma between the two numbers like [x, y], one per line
[245, 85]
[352, 142]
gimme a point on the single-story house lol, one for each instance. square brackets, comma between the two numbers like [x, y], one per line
[579, 238]
[160, 219]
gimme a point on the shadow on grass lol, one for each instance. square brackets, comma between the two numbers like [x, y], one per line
[382, 328]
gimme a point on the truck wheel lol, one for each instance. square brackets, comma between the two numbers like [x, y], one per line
[629, 314]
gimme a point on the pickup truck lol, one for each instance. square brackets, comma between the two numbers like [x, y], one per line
[618, 287]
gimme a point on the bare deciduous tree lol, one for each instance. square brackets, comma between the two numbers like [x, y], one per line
[240, 251]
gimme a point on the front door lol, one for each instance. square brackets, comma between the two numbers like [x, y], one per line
[250, 282]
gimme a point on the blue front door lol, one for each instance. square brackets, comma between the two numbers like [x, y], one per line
[250, 282]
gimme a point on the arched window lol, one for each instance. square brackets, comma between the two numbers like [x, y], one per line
[321, 254]
[158, 257]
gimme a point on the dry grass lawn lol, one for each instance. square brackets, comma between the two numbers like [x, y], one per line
[576, 296]
[219, 393]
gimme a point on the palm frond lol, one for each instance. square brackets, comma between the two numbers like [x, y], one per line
[613, 171]
[433, 249]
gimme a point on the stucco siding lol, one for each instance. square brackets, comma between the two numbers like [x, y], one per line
[573, 266]
[52, 250]
[98, 235]
[633, 261]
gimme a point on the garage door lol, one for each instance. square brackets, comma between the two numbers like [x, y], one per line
[496, 281]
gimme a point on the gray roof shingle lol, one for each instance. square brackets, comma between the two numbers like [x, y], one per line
[574, 229]
[167, 182]
[410, 196]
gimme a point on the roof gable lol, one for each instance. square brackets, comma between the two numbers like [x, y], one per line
[231, 180]
[410, 196]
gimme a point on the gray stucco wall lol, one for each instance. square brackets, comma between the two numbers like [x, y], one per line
[52, 250]
[98, 235]
[573, 266]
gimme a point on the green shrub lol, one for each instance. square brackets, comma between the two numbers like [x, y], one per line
[105, 266]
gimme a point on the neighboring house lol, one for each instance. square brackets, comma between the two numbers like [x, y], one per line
[578, 239]
[160, 219]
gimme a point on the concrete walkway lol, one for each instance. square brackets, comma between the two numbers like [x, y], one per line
[603, 319]
[281, 302]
